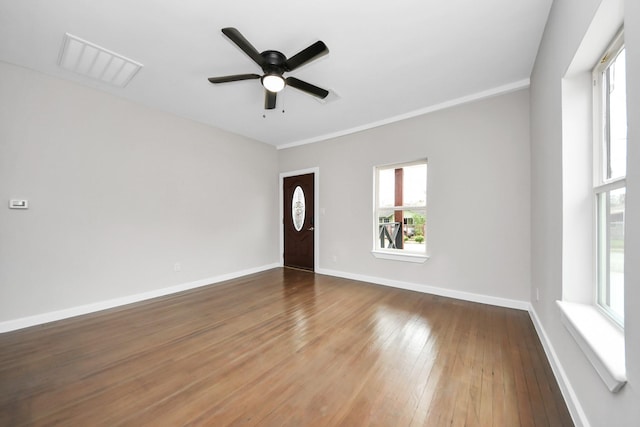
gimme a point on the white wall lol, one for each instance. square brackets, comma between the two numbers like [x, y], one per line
[477, 201]
[567, 25]
[118, 194]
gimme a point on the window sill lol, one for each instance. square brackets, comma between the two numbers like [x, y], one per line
[406, 257]
[600, 340]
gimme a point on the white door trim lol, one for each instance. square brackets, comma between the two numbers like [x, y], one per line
[316, 213]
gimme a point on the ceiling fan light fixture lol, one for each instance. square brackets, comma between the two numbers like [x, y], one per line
[273, 82]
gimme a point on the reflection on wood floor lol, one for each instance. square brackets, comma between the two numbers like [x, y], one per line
[283, 348]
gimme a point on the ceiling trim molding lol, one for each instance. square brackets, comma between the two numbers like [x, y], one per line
[500, 90]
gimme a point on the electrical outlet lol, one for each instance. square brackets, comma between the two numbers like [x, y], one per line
[537, 294]
[177, 267]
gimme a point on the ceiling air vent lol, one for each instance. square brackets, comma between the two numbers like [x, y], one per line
[88, 59]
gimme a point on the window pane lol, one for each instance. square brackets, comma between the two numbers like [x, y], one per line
[386, 188]
[389, 235]
[414, 231]
[611, 210]
[385, 216]
[414, 185]
[617, 110]
[298, 208]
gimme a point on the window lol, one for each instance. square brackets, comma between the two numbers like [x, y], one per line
[593, 191]
[400, 211]
[610, 164]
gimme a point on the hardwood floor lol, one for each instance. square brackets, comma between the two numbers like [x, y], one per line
[283, 348]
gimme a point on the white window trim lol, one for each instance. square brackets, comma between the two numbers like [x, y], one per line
[600, 339]
[396, 256]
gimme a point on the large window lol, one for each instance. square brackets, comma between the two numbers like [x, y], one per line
[610, 165]
[400, 217]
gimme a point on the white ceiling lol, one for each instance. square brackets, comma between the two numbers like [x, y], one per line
[387, 59]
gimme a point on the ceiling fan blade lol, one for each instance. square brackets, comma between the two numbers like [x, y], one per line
[312, 52]
[307, 87]
[233, 78]
[269, 100]
[235, 36]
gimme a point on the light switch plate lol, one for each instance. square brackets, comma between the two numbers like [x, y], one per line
[18, 204]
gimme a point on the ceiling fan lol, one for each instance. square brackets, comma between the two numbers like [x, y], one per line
[274, 64]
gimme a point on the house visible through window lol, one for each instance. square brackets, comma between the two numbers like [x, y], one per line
[401, 208]
[610, 164]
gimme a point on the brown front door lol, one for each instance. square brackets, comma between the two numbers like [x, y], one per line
[298, 196]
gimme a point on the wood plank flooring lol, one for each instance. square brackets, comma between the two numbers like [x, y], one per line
[283, 348]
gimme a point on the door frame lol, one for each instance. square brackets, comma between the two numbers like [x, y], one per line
[316, 212]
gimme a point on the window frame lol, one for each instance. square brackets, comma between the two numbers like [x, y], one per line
[603, 182]
[392, 253]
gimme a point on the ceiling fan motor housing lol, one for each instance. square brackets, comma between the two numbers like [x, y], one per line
[274, 62]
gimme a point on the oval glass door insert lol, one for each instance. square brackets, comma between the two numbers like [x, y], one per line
[298, 208]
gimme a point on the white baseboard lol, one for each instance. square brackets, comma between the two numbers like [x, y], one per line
[575, 408]
[461, 295]
[38, 319]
